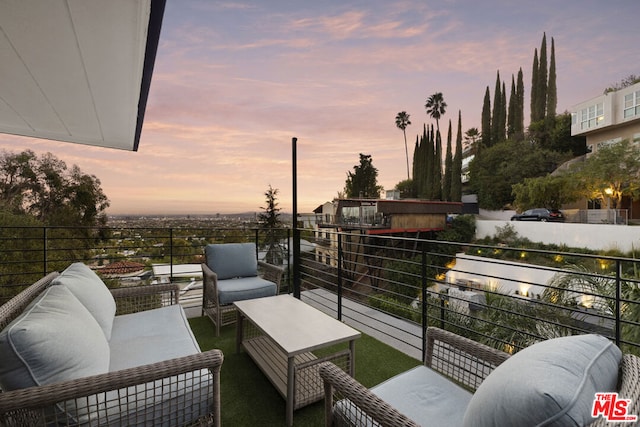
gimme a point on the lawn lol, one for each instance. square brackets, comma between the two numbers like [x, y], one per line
[249, 399]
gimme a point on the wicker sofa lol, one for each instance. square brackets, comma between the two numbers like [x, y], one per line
[73, 352]
[464, 383]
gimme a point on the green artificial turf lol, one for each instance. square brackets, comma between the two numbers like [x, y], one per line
[249, 399]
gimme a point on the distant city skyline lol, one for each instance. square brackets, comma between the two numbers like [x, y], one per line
[235, 81]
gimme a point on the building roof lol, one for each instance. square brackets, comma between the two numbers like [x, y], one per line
[78, 70]
[122, 268]
[406, 206]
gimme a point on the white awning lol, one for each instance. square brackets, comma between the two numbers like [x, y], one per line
[77, 70]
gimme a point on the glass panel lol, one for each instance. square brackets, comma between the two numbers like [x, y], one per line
[600, 109]
[628, 100]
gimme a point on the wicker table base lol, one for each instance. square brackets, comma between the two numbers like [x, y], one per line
[281, 334]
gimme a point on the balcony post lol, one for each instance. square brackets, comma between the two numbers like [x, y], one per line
[171, 254]
[618, 298]
[339, 276]
[425, 320]
[296, 232]
[45, 255]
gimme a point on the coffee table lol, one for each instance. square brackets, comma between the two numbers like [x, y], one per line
[280, 333]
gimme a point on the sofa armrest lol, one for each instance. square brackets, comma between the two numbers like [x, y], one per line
[358, 401]
[140, 298]
[461, 359]
[122, 391]
[272, 273]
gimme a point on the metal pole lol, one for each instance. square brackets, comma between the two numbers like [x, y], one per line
[296, 232]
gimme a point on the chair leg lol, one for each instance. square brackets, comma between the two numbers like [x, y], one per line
[218, 321]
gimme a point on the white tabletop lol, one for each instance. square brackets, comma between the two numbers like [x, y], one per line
[295, 326]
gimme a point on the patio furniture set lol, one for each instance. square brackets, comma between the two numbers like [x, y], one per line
[73, 352]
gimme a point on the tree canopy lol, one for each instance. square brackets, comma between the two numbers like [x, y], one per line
[612, 172]
[47, 190]
[609, 174]
[363, 181]
[507, 163]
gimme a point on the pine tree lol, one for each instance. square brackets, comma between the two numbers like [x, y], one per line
[534, 88]
[552, 93]
[271, 223]
[456, 169]
[448, 164]
[519, 122]
[486, 121]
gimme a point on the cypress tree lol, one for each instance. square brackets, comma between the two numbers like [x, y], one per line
[502, 126]
[437, 168]
[495, 114]
[513, 105]
[448, 164]
[416, 167]
[456, 169]
[541, 100]
[534, 88]
[431, 160]
[552, 92]
[519, 122]
[486, 121]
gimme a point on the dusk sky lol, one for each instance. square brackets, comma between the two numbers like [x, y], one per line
[235, 81]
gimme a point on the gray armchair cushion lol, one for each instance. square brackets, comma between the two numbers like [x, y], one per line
[425, 396]
[229, 260]
[552, 382]
[55, 339]
[91, 291]
[243, 288]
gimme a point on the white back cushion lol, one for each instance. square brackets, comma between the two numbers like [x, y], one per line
[55, 339]
[91, 292]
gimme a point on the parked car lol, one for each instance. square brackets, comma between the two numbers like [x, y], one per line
[539, 214]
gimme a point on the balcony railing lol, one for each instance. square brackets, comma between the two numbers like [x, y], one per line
[508, 297]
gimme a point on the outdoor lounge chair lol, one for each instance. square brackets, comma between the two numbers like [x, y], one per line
[230, 274]
[465, 383]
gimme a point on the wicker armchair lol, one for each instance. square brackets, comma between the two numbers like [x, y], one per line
[220, 309]
[460, 360]
[121, 397]
[464, 361]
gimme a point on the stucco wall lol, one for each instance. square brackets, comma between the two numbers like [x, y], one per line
[592, 236]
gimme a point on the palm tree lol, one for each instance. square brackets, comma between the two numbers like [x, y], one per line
[436, 107]
[402, 121]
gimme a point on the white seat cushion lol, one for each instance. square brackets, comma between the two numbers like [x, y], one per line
[151, 336]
